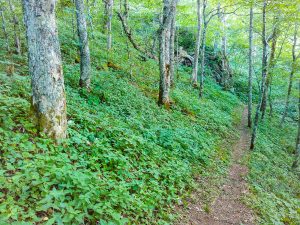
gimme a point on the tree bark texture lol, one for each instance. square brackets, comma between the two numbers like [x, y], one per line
[108, 20]
[85, 62]
[45, 67]
[164, 63]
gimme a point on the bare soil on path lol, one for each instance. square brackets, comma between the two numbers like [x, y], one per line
[228, 207]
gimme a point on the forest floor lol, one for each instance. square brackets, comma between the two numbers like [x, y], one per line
[228, 207]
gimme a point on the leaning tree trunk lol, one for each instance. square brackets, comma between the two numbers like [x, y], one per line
[197, 48]
[291, 78]
[45, 67]
[16, 28]
[264, 74]
[85, 62]
[4, 30]
[250, 69]
[297, 150]
[164, 66]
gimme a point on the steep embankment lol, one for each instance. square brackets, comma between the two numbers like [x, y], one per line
[126, 159]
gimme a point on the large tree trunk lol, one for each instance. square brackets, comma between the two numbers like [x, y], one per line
[164, 66]
[16, 28]
[4, 30]
[45, 67]
[172, 49]
[291, 78]
[108, 19]
[197, 48]
[250, 69]
[85, 62]
[264, 74]
[297, 149]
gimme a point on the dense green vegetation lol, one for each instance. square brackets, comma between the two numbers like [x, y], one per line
[126, 160]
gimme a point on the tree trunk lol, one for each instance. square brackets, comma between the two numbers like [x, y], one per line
[291, 78]
[269, 72]
[164, 66]
[108, 19]
[45, 67]
[85, 62]
[90, 19]
[250, 69]
[264, 74]
[172, 49]
[4, 30]
[198, 43]
[16, 28]
[202, 61]
[205, 24]
[224, 36]
[297, 149]
[217, 33]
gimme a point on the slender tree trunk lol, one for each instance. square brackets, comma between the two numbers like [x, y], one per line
[164, 66]
[297, 149]
[85, 62]
[108, 20]
[172, 49]
[45, 67]
[217, 33]
[224, 36]
[197, 48]
[264, 74]
[205, 24]
[4, 30]
[90, 19]
[250, 69]
[291, 78]
[269, 73]
[73, 21]
[16, 28]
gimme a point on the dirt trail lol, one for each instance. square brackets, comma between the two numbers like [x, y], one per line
[228, 208]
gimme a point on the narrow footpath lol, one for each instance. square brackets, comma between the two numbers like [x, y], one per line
[228, 207]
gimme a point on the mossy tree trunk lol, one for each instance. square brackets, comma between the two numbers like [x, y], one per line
[45, 67]
[85, 62]
[164, 48]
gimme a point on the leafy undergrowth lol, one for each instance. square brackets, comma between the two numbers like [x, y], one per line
[125, 161]
[275, 186]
